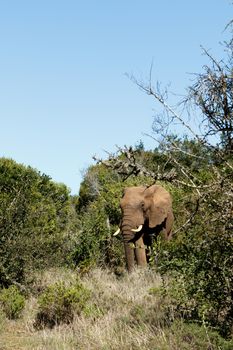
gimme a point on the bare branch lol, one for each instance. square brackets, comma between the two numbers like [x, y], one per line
[127, 166]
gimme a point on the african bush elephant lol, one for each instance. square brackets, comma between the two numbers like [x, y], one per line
[146, 211]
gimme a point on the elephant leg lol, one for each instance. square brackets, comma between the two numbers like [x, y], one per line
[140, 253]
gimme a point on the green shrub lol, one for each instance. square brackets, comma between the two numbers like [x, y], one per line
[188, 336]
[200, 277]
[59, 303]
[2, 320]
[37, 220]
[12, 302]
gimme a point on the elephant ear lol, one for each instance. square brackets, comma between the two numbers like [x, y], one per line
[158, 200]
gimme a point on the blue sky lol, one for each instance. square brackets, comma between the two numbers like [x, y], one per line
[64, 95]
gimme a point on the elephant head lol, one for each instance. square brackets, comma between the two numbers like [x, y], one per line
[146, 211]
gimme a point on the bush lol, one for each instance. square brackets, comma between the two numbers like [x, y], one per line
[200, 275]
[36, 219]
[59, 303]
[188, 336]
[12, 302]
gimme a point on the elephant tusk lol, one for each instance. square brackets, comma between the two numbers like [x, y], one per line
[137, 229]
[117, 232]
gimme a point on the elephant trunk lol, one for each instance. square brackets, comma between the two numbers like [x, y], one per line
[133, 242]
[129, 245]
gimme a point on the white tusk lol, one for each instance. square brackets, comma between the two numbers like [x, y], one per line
[117, 232]
[137, 229]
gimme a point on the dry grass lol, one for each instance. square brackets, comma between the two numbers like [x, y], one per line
[121, 314]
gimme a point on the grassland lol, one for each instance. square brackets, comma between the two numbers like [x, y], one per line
[124, 312]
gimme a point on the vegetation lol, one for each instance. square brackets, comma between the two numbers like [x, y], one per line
[48, 238]
[126, 312]
[58, 304]
[12, 302]
[36, 221]
[199, 259]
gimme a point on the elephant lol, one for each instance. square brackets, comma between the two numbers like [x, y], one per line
[146, 211]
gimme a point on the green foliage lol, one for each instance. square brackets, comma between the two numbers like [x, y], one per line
[59, 303]
[12, 302]
[199, 264]
[36, 221]
[2, 320]
[94, 242]
[193, 336]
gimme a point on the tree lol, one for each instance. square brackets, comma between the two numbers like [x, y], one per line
[35, 222]
[212, 93]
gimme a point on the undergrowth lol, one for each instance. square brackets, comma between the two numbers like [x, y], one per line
[102, 311]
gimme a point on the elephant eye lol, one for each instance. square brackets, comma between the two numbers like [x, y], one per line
[142, 205]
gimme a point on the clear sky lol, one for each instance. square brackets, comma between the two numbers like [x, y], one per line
[64, 95]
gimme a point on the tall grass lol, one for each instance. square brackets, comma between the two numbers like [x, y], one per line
[122, 313]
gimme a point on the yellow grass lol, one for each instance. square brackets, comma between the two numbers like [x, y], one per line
[121, 315]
